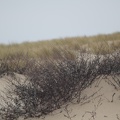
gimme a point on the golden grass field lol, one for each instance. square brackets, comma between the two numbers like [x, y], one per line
[99, 44]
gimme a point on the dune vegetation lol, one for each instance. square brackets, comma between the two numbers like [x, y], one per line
[15, 57]
[56, 71]
[99, 43]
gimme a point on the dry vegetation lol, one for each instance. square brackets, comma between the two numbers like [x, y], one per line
[58, 71]
[95, 44]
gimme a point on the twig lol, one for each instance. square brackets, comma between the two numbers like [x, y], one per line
[93, 113]
[87, 99]
[118, 117]
[68, 113]
[112, 98]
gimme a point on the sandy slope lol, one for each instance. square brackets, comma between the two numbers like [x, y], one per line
[100, 102]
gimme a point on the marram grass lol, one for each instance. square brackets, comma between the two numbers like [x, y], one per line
[99, 44]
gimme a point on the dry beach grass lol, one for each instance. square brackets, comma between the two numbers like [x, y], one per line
[75, 77]
[49, 48]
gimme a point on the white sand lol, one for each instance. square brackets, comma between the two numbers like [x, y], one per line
[103, 104]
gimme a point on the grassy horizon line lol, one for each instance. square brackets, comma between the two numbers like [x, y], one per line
[61, 38]
[101, 42]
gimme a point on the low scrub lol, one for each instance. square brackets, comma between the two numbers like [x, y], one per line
[52, 83]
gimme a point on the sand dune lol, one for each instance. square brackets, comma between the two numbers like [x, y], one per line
[98, 102]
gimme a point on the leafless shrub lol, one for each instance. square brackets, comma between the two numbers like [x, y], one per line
[110, 66]
[52, 83]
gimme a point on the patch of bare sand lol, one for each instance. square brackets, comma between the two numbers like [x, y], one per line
[98, 102]
[5, 83]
